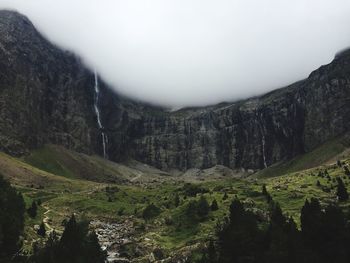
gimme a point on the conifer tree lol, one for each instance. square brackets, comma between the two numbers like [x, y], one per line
[12, 209]
[203, 207]
[212, 257]
[177, 200]
[342, 193]
[42, 230]
[214, 205]
[33, 210]
[264, 190]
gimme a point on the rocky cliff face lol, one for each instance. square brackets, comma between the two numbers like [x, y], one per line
[45, 93]
[47, 96]
[250, 134]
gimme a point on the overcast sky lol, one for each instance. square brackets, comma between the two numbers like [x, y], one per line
[195, 52]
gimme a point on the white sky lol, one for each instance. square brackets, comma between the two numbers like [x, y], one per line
[195, 52]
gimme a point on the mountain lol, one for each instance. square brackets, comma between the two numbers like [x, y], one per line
[48, 96]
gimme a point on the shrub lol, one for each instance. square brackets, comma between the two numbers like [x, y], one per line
[42, 230]
[150, 211]
[33, 210]
[193, 189]
[214, 205]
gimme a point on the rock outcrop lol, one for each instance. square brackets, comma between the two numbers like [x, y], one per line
[47, 96]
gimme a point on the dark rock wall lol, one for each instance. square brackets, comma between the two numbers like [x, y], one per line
[45, 93]
[47, 96]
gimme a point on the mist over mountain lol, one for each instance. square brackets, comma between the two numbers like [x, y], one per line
[186, 53]
[92, 173]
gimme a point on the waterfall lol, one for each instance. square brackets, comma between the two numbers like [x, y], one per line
[263, 149]
[98, 115]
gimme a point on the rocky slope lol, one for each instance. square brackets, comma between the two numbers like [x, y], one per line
[47, 96]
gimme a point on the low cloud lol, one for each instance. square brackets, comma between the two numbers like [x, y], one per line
[195, 52]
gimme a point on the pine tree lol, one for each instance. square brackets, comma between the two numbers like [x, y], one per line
[277, 216]
[214, 205]
[203, 207]
[346, 170]
[42, 230]
[339, 163]
[264, 190]
[342, 193]
[212, 257]
[177, 200]
[12, 209]
[71, 242]
[94, 251]
[33, 210]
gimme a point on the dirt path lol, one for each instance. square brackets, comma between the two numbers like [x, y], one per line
[46, 219]
[139, 174]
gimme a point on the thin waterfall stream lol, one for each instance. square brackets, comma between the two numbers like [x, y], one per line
[98, 115]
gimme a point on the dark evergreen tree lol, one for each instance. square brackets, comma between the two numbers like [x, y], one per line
[94, 251]
[339, 163]
[42, 230]
[239, 238]
[71, 242]
[214, 205]
[203, 207]
[346, 170]
[77, 245]
[212, 256]
[12, 209]
[176, 200]
[342, 193]
[33, 210]
[150, 211]
[264, 190]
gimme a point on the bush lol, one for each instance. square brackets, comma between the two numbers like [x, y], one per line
[198, 210]
[150, 212]
[203, 207]
[214, 205]
[42, 230]
[33, 210]
[177, 200]
[342, 193]
[193, 189]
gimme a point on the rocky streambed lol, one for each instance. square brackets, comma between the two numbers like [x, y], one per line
[113, 237]
[124, 245]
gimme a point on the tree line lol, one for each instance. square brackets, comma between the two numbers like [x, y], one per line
[76, 245]
[324, 236]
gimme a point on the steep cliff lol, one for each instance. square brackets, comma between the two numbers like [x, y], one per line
[47, 96]
[44, 92]
[251, 134]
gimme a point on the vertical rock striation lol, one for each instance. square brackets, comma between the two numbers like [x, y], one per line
[48, 96]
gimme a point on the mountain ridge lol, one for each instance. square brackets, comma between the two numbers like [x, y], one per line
[47, 96]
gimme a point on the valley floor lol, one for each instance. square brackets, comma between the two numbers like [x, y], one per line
[114, 198]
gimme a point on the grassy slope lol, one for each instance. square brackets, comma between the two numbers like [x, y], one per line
[60, 161]
[67, 194]
[325, 153]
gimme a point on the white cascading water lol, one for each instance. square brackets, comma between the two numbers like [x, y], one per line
[263, 150]
[97, 111]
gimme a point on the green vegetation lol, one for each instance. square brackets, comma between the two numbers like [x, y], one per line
[323, 237]
[172, 214]
[11, 220]
[76, 245]
[314, 158]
